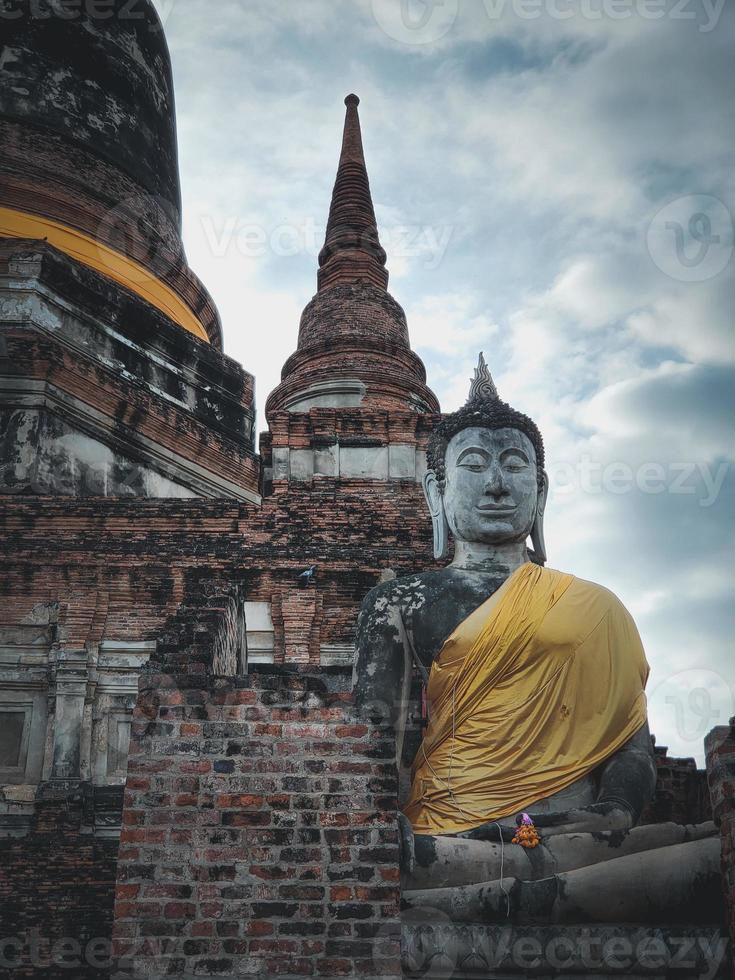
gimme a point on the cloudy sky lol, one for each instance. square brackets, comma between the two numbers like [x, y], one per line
[554, 185]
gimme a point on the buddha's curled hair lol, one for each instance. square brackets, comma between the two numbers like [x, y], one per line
[486, 410]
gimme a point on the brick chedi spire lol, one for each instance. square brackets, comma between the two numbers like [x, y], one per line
[352, 249]
[353, 349]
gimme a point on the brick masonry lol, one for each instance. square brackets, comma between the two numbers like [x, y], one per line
[101, 395]
[103, 164]
[720, 747]
[259, 827]
[682, 794]
[146, 557]
[57, 887]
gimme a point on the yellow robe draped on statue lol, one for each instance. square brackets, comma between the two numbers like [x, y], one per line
[534, 690]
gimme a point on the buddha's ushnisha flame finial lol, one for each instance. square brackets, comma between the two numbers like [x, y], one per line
[483, 387]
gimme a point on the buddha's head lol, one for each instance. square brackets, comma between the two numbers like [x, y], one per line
[486, 481]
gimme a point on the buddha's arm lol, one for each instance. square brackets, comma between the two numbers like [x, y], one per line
[629, 776]
[627, 783]
[380, 672]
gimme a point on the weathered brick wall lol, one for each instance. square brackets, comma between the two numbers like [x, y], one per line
[124, 569]
[259, 832]
[124, 409]
[682, 794]
[720, 748]
[57, 890]
[354, 309]
[145, 555]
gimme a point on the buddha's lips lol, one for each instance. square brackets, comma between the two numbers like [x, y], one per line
[497, 511]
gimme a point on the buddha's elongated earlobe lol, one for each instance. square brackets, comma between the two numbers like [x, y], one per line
[537, 531]
[435, 500]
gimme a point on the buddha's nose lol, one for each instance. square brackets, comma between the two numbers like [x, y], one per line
[495, 485]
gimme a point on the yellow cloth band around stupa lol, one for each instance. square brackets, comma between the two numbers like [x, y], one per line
[105, 260]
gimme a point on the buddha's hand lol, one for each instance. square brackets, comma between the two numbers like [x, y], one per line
[607, 815]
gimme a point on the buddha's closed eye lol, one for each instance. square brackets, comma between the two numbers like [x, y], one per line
[476, 465]
[514, 461]
[473, 459]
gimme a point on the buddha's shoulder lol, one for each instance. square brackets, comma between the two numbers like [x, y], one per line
[412, 594]
[599, 595]
[403, 592]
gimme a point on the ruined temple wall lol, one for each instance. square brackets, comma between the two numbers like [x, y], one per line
[117, 569]
[135, 557]
[122, 414]
[92, 585]
[720, 748]
[259, 822]
[377, 446]
[57, 892]
[260, 832]
[682, 793]
[102, 395]
[59, 843]
[87, 588]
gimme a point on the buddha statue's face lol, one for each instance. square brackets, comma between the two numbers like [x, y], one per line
[491, 485]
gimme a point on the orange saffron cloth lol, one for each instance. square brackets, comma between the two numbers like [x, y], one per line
[105, 260]
[532, 691]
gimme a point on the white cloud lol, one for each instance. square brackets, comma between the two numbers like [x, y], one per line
[448, 324]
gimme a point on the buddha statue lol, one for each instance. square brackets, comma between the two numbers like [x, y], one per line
[535, 708]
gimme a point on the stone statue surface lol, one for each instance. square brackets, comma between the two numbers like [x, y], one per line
[535, 693]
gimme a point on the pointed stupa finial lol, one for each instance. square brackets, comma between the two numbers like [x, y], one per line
[483, 387]
[352, 250]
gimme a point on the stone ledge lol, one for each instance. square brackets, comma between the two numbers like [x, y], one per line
[341, 461]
